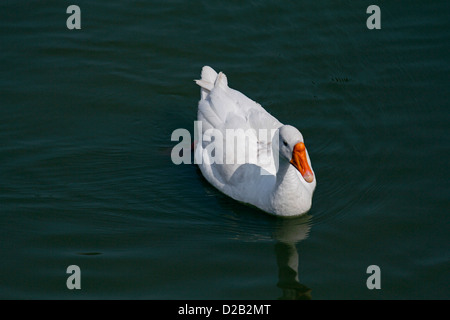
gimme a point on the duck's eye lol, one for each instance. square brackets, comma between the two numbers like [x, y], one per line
[284, 142]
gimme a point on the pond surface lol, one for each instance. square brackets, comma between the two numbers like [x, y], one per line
[86, 177]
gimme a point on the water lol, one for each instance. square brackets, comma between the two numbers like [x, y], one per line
[86, 177]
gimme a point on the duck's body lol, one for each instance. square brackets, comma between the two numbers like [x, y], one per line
[265, 170]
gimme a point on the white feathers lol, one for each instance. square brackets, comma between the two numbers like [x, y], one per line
[222, 110]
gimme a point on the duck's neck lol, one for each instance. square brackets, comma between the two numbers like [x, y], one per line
[289, 196]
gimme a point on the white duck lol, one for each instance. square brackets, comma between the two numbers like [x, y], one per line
[279, 179]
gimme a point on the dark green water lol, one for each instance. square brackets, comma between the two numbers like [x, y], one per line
[86, 177]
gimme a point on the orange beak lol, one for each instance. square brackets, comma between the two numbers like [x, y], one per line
[301, 163]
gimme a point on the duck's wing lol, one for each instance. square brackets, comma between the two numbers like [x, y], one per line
[223, 100]
[230, 112]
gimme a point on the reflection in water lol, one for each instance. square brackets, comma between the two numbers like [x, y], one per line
[288, 233]
[246, 223]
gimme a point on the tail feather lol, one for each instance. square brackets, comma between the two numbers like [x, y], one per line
[208, 74]
[221, 80]
[205, 84]
[207, 81]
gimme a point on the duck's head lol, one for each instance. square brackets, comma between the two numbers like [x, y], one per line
[292, 148]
